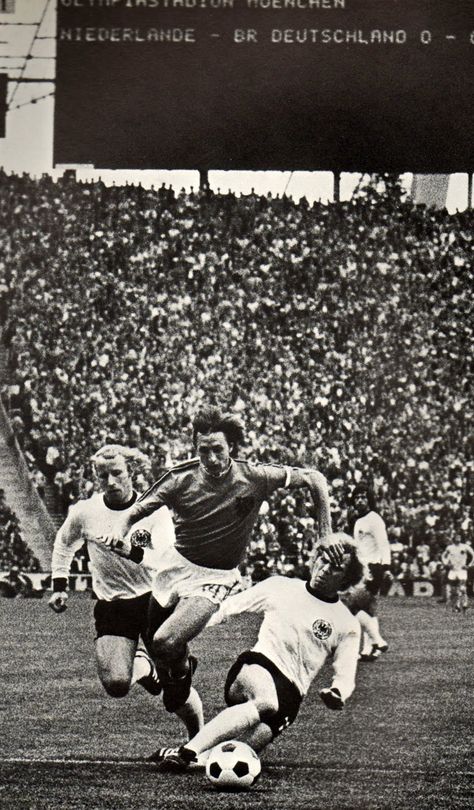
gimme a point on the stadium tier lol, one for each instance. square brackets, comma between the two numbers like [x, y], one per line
[14, 553]
[341, 332]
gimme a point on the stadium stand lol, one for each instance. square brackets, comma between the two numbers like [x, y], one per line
[14, 553]
[341, 332]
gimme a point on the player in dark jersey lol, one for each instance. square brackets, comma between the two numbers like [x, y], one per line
[215, 499]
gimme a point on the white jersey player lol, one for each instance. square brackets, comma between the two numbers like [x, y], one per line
[371, 537]
[215, 499]
[303, 624]
[122, 587]
[457, 557]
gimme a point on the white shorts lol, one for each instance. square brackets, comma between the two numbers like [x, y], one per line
[460, 575]
[177, 578]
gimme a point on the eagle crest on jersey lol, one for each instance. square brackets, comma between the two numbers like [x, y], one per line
[322, 629]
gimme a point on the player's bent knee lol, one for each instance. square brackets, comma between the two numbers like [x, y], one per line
[116, 688]
[267, 706]
[169, 646]
[237, 693]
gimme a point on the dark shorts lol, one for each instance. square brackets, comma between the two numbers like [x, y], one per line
[289, 698]
[374, 585]
[122, 617]
[156, 616]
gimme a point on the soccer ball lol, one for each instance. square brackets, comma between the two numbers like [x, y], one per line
[233, 765]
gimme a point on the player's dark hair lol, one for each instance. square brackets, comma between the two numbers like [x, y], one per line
[363, 488]
[355, 570]
[210, 419]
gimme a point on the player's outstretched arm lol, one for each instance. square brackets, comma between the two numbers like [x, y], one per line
[317, 485]
[320, 495]
[132, 547]
[316, 482]
[345, 665]
[120, 541]
[68, 540]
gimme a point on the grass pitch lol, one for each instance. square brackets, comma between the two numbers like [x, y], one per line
[404, 741]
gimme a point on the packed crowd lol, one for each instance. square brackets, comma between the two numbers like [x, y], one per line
[14, 553]
[342, 333]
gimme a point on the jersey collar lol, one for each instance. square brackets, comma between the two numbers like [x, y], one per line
[314, 592]
[217, 478]
[121, 506]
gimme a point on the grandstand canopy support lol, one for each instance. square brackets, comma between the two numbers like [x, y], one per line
[469, 190]
[203, 178]
[337, 186]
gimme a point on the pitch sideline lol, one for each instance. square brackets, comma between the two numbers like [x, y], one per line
[134, 763]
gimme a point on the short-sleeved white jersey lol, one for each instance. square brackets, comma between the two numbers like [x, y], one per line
[457, 556]
[113, 577]
[299, 631]
[371, 537]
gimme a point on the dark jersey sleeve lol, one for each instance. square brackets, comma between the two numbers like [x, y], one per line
[272, 477]
[161, 493]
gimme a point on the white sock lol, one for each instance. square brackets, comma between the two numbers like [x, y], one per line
[142, 667]
[366, 645]
[368, 639]
[371, 633]
[380, 642]
[230, 724]
[191, 713]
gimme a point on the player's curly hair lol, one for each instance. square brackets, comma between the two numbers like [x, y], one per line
[364, 488]
[210, 419]
[136, 461]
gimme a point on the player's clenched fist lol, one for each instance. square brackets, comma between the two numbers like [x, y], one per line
[58, 601]
[120, 545]
[131, 547]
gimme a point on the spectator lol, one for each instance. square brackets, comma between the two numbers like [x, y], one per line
[16, 585]
[127, 308]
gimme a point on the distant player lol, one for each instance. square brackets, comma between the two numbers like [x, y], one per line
[215, 499]
[303, 623]
[371, 538]
[122, 587]
[457, 557]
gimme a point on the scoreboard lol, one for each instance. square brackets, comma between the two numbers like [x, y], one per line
[347, 85]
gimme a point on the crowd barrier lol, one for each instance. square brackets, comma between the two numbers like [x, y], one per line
[83, 582]
[42, 580]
